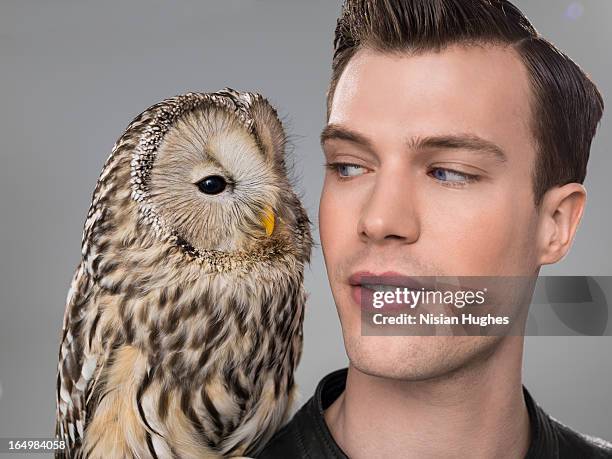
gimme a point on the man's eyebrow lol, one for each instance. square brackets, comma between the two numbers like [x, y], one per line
[470, 142]
[460, 142]
[336, 131]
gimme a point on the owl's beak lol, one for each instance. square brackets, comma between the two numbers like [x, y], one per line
[267, 220]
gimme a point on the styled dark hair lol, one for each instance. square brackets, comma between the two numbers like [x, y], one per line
[566, 104]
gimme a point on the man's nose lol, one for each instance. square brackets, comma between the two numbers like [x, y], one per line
[391, 210]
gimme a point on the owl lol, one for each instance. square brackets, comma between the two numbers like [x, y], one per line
[183, 323]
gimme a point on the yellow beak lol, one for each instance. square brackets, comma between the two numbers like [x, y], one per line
[267, 221]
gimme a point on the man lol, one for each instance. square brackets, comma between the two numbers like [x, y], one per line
[457, 143]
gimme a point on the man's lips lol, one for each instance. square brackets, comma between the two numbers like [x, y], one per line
[390, 278]
[365, 283]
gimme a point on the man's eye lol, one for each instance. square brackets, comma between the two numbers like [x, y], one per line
[451, 176]
[347, 170]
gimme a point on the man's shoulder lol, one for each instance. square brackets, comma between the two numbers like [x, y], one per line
[288, 441]
[552, 438]
[574, 444]
[285, 443]
[307, 435]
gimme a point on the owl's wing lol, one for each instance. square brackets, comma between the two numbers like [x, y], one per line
[79, 366]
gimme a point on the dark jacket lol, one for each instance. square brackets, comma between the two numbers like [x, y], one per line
[307, 435]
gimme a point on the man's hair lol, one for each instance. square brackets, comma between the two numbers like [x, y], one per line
[566, 105]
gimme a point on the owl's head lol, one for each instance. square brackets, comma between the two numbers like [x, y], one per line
[207, 172]
[218, 179]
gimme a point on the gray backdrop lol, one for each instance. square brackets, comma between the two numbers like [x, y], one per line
[74, 73]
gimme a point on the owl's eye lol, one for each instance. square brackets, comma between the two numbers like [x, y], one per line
[213, 184]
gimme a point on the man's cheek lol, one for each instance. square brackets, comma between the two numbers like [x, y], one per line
[329, 222]
[485, 246]
[460, 240]
[338, 220]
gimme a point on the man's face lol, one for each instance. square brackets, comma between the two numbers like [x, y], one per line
[431, 160]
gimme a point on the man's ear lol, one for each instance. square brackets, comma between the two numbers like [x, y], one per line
[560, 213]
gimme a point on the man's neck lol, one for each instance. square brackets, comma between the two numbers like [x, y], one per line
[478, 412]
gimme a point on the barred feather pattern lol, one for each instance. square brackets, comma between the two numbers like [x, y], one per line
[172, 350]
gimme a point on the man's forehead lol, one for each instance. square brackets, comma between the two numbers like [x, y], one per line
[483, 90]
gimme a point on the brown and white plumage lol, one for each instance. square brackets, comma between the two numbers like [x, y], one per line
[183, 324]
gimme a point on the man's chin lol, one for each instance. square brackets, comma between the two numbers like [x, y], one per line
[417, 358]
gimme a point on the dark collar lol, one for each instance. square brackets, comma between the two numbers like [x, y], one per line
[307, 434]
[542, 444]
